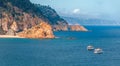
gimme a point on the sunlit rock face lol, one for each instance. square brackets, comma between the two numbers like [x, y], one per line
[27, 25]
[22, 18]
[43, 30]
[77, 28]
[14, 26]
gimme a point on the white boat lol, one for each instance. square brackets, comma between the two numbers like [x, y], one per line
[98, 51]
[90, 47]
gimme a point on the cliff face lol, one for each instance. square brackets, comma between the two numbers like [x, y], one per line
[38, 31]
[26, 27]
[16, 18]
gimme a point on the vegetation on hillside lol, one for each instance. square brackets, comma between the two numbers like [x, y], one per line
[45, 12]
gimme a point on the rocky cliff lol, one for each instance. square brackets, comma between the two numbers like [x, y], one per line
[16, 16]
[29, 27]
[43, 30]
[24, 17]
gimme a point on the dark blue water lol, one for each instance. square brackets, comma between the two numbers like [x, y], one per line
[68, 50]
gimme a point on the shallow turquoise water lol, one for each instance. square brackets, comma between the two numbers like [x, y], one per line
[68, 50]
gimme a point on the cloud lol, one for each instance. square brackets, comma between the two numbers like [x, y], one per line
[50, 0]
[76, 11]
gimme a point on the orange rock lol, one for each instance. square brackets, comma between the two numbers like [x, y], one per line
[77, 28]
[43, 30]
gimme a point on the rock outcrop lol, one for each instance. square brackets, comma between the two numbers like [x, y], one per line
[77, 28]
[14, 26]
[43, 30]
[60, 28]
[69, 28]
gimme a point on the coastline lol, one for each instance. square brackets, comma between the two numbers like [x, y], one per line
[9, 36]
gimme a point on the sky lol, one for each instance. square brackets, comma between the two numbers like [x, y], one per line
[109, 9]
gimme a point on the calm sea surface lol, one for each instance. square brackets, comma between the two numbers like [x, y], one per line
[67, 50]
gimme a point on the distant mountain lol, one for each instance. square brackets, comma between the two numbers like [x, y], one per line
[89, 21]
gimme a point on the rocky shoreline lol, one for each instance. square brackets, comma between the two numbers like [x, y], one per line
[69, 28]
[43, 30]
[30, 20]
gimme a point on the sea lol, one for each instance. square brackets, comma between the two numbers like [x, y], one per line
[68, 49]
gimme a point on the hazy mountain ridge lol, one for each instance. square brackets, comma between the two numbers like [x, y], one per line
[89, 21]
